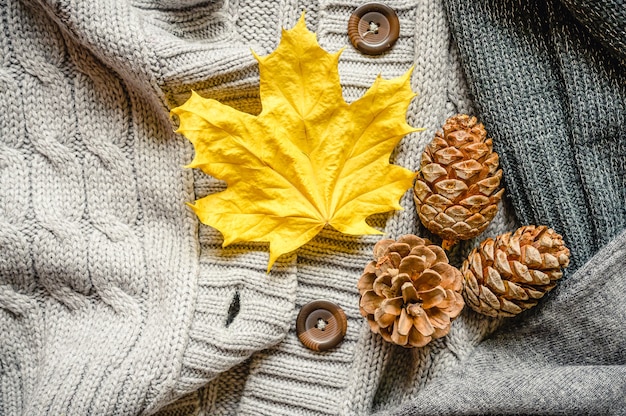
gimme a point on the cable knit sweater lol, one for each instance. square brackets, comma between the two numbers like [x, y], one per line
[113, 298]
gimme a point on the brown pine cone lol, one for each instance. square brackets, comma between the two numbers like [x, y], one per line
[456, 191]
[410, 293]
[508, 275]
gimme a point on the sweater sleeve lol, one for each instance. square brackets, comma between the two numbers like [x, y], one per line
[110, 302]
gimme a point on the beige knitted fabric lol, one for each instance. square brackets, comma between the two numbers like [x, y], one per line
[113, 299]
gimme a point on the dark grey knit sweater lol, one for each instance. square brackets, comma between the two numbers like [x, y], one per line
[549, 81]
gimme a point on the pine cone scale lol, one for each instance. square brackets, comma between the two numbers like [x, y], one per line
[433, 171]
[453, 304]
[401, 249]
[429, 278]
[438, 202]
[477, 150]
[475, 220]
[459, 213]
[445, 220]
[466, 169]
[404, 323]
[383, 319]
[502, 264]
[448, 155]
[432, 297]
[490, 212]
[437, 318]
[370, 301]
[475, 203]
[397, 283]
[450, 188]
[422, 324]
[381, 285]
[448, 275]
[509, 308]
[461, 228]
[488, 297]
[550, 261]
[421, 191]
[531, 256]
[398, 338]
[488, 185]
[409, 293]
[539, 277]
[477, 265]
[494, 281]
[521, 272]
[516, 292]
[413, 266]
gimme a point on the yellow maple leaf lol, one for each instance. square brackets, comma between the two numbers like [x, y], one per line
[308, 159]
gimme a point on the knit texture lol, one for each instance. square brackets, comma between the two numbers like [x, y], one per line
[113, 298]
[361, 374]
[98, 255]
[564, 358]
[551, 89]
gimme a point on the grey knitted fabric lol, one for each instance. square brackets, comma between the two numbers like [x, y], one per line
[552, 89]
[113, 299]
[567, 357]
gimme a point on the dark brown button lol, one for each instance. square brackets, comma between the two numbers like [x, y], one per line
[373, 28]
[321, 325]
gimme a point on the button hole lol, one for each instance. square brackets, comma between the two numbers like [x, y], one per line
[372, 28]
[321, 324]
[233, 309]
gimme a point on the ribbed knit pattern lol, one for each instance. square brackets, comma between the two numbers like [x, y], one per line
[554, 100]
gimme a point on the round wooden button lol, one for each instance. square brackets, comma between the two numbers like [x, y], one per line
[321, 325]
[373, 28]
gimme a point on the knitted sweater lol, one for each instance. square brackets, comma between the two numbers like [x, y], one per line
[113, 298]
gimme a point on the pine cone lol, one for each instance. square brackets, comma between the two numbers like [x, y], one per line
[509, 275]
[455, 191]
[410, 293]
